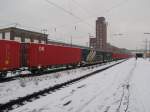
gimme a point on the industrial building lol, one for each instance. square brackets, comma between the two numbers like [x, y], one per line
[21, 35]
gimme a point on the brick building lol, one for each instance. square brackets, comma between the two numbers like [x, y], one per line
[21, 35]
[100, 42]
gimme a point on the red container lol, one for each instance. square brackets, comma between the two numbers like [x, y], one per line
[9, 55]
[120, 56]
[114, 56]
[49, 55]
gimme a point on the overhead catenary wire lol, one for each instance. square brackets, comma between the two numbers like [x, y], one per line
[83, 8]
[116, 6]
[81, 20]
[68, 12]
[63, 9]
[71, 14]
[75, 16]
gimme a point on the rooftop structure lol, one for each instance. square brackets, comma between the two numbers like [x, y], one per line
[21, 35]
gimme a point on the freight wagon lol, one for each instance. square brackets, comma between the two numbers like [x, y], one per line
[118, 56]
[90, 56]
[43, 56]
[37, 57]
[9, 56]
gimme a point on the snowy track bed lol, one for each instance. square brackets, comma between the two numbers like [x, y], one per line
[20, 88]
[122, 88]
[102, 92]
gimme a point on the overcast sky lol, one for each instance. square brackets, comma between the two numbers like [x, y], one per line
[76, 18]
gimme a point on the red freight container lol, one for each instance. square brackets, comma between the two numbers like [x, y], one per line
[9, 55]
[47, 55]
[120, 56]
[114, 56]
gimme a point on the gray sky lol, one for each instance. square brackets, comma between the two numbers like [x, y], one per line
[129, 17]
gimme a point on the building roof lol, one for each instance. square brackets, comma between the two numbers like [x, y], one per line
[23, 31]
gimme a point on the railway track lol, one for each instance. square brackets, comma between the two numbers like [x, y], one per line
[7, 79]
[36, 95]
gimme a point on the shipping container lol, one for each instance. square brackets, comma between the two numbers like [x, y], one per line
[9, 55]
[42, 55]
[116, 56]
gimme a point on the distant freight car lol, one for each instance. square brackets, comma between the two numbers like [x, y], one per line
[117, 56]
[107, 56]
[92, 56]
[9, 55]
[44, 55]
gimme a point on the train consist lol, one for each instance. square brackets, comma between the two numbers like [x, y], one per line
[35, 57]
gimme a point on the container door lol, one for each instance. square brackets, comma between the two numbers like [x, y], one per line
[24, 54]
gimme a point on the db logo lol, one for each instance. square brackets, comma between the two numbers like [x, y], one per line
[41, 48]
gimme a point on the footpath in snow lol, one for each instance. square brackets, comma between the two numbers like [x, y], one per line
[122, 88]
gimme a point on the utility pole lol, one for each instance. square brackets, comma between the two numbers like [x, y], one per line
[71, 40]
[44, 34]
[89, 40]
[87, 44]
[146, 43]
[149, 51]
[44, 31]
[16, 25]
[90, 36]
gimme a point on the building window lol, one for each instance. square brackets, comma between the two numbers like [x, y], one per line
[18, 39]
[27, 40]
[7, 35]
[36, 41]
[1, 36]
[42, 42]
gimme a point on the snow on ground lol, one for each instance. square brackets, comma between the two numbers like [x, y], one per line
[24, 86]
[140, 90]
[122, 88]
[104, 92]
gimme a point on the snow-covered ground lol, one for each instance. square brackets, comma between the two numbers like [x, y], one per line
[122, 88]
[25, 86]
[140, 87]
